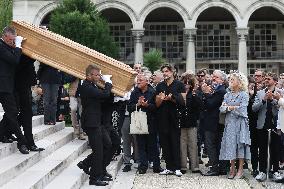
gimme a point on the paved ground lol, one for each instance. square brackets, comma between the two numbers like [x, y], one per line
[195, 181]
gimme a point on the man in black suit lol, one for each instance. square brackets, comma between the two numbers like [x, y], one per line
[26, 70]
[212, 99]
[92, 98]
[10, 53]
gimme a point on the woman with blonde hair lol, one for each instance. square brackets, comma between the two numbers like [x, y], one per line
[236, 136]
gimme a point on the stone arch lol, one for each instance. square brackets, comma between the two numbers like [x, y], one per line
[163, 4]
[222, 4]
[260, 4]
[43, 12]
[121, 6]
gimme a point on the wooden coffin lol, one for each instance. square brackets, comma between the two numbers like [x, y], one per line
[71, 57]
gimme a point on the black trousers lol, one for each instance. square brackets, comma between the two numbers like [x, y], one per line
[10, 122]
[213, 145]
[262, 135]
[148, 150]
[115, 141]
[170, 142]
[24, 102]
[99, 159]
[254, 146]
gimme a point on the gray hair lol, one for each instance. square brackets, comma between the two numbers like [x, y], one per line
[222, 74]
[9, 30]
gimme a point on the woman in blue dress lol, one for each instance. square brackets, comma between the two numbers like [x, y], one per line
[236, 136]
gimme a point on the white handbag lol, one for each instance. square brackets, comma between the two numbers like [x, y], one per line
[138, 124]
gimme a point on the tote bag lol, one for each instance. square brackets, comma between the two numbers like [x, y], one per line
[138, 124]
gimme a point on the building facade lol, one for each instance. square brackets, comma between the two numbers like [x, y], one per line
[213, 34]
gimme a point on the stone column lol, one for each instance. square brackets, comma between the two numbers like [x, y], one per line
[243, 62]
[138, 46]
[190, 50]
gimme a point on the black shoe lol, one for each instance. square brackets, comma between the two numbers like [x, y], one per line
[6, 140]
[223, 173]
[13, 138]
[204, 156]
[97, 182]
[208, 164]
[105, 178]
[183, 171]
[23, 149]
[245, 166]
[108, 175]
[34, 148]
[142, 171]
[211, 173]
[254, 173]
[196, 171]
[126, 168]
[157, 170]
[279, 181]
[84, 167]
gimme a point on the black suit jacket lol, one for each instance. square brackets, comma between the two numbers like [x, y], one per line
[92, 98]
[25, 73]
[49, 75]
[149, 96]
[9, 58]
[209, 116]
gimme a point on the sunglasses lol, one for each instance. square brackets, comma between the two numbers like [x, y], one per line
[200, 75]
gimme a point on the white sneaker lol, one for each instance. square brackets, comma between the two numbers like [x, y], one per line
[277, 176]
[261, 177]
[166, 172]
[178, 173]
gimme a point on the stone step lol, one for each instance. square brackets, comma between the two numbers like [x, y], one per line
[75, 176]
[40, 174]
[39, 133]
[17, 163]
[113, 169]
[37, 120]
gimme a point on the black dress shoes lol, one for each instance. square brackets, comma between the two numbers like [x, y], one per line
[157, 170]
[126, 168]
[97, 182]
[84, 167]
[108, 175]
[105, 178]
[6, 140]
[23, 149]
[34, 148]
[211, 173]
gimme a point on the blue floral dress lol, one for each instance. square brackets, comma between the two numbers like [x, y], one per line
[236, 137]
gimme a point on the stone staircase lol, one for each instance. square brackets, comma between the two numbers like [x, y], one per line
[55, 167]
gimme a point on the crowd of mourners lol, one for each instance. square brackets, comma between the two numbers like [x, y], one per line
[232, 119]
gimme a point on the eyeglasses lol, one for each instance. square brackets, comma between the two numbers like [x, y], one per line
[257, 75]
[200, 75]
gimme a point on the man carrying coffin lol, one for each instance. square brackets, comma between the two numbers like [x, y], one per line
[92, 98]
[10, 53]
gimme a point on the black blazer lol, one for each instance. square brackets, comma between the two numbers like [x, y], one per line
[92, 98]
[25, 73]
[188, 113]
[209, 116]
[149, 96]
[9, 58]
[49, 75]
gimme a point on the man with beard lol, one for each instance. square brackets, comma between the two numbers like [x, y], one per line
[169, 131]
